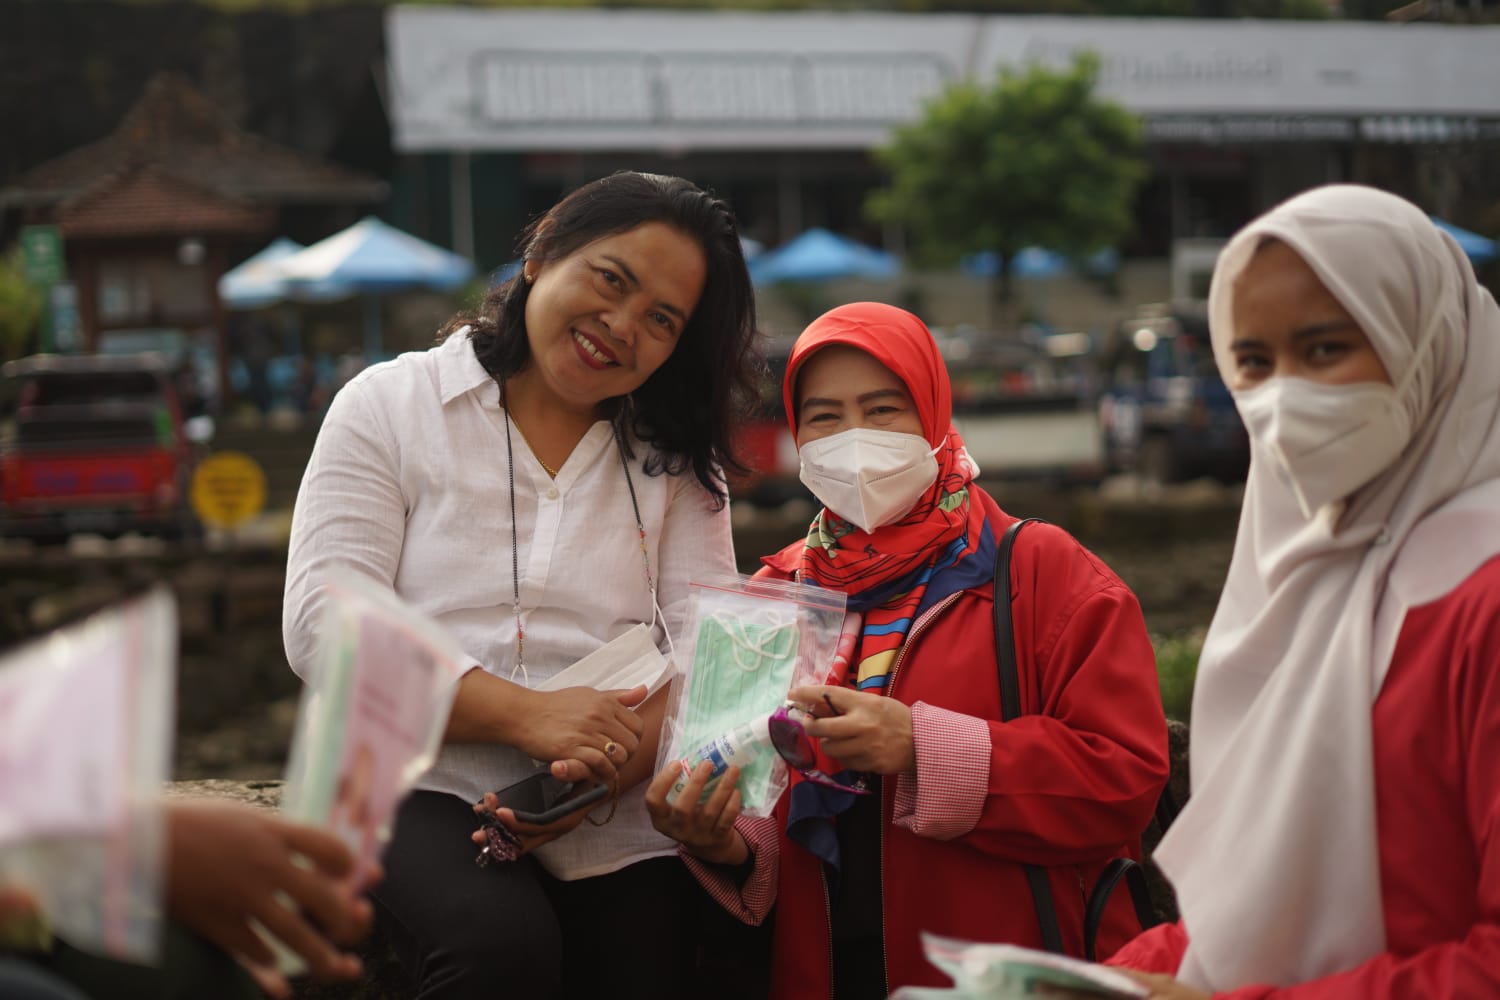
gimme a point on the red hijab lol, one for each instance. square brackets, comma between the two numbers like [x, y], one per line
[896, 339]
[887, 572]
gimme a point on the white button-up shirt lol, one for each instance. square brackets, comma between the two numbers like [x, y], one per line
[409, 484]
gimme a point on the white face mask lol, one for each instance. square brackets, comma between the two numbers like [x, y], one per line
[1325, 440]
[869, 477]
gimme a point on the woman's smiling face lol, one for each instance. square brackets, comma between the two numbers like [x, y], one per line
[601, 320]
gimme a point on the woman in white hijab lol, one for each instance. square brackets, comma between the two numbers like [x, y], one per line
[1343, 836]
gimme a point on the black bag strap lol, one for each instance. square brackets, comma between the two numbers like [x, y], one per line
[1166, 808]
[1005, 637]
[1140, 896]
[1010, 708]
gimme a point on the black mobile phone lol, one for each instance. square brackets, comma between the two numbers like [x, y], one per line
[541, 799]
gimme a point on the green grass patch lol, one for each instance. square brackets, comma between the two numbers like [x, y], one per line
[1176, 668]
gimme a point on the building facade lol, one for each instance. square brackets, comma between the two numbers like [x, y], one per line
[496, 112]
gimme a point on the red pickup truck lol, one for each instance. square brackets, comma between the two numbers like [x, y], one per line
[93, 444]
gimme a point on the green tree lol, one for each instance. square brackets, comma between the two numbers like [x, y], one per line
[20, 308]
[1033, 158]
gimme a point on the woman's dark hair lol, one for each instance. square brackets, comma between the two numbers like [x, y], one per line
[687, 408]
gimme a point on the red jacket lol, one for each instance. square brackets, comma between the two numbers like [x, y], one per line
[1070, 784]
[1436, 745]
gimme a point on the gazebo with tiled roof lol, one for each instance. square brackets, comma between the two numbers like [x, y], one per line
[152, 214]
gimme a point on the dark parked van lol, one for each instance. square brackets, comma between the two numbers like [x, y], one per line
[1166, 413]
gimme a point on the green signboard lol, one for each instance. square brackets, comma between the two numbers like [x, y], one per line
[42, 254]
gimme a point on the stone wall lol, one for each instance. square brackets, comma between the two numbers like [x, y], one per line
[237, 697]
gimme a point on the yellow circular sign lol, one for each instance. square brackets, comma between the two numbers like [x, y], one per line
[229, 488]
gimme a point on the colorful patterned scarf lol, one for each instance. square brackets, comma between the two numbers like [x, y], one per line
[898, 571]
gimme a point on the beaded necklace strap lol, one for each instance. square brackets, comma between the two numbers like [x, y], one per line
[635, 506]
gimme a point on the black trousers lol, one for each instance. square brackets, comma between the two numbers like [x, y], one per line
[511, 930]
[190, 968]
[21, 979]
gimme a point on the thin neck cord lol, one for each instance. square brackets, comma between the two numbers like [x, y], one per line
[515, 545]
[515, 541]
[635, 507]
[657, 614]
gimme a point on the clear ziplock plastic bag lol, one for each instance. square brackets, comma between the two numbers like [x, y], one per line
[87, 715]
[371, 718]
[748, 642]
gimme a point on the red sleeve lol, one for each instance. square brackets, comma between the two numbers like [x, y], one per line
[751, 901]
[1156, 950]
[1447, 695]
[1441, 972]
[1469, 968]
[1444, 691]
[943, 799]
[1081, 770]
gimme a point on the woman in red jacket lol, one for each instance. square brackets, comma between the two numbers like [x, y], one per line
[962, 800]
[1343, 838]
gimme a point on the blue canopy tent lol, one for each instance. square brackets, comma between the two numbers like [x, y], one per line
[258, 282]
[819, 255]
[1480, 249]
[372, 258]
[1038, 262]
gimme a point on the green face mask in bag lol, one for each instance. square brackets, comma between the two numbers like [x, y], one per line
[741, 673]
[752, 641]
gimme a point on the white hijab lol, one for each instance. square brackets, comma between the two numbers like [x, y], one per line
[1274, 859]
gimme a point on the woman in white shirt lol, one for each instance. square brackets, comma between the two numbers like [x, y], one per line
[545, 479]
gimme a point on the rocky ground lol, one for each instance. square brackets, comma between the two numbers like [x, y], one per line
[249, 746]
[1178, 585]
